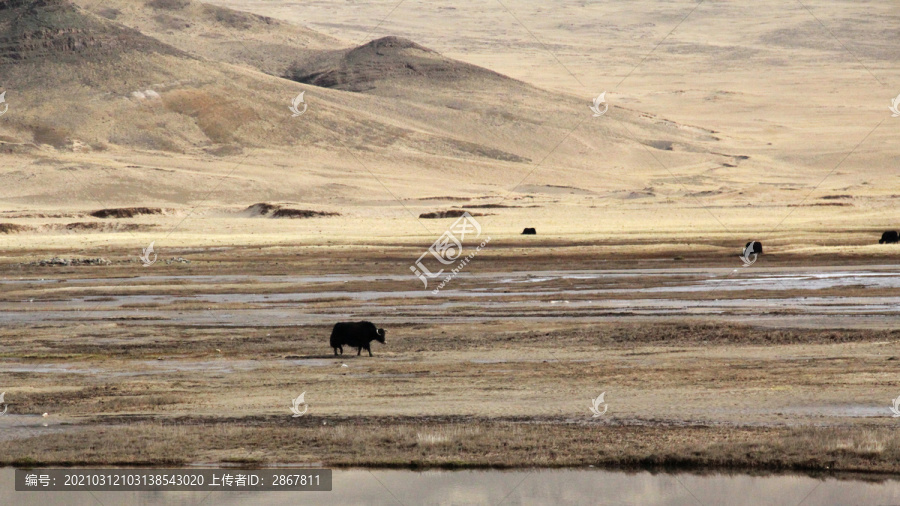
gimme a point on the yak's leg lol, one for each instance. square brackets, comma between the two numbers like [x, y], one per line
[342, 349]
[369, 349]
[358, 351]
[335, 350]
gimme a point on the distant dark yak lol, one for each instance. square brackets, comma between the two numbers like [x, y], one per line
[356, 334]
[757, 247]
[529, 231]
[889, 237]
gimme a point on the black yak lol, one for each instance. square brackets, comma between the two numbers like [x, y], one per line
[889, 237]
[356, 334]
[757, 247]
[529, 231]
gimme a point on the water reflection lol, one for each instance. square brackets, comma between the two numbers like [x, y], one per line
[510, 488]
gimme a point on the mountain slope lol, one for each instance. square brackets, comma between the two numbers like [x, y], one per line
[381, 61]
[87, 90]
[38, 29]
[498, 113]
[217, 33]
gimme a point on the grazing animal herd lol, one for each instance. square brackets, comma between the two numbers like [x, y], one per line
[360, 335]
[888, 237]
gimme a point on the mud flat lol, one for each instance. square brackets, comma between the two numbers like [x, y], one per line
[789, 366]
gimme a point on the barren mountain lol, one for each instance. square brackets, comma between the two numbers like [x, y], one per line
[217, 33]
[148, 119]
[55, 29]
[386, 61]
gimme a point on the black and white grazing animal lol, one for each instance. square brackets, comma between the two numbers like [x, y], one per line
[757, 247]
[356, 334]
[889, 237]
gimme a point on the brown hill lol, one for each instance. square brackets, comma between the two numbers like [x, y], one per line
[387, 59]
[55, 28]
[77, 81]
[217, 33]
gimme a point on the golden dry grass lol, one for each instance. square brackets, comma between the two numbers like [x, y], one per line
[473, 444]
[695, 395]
